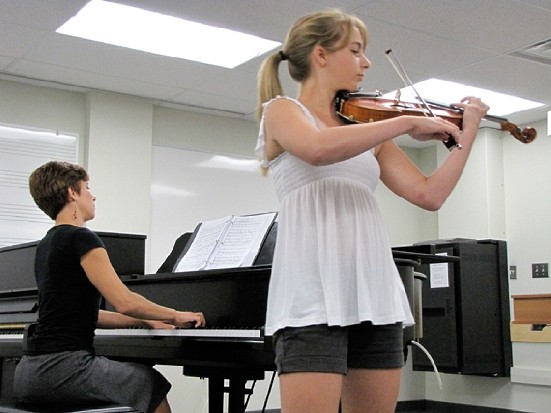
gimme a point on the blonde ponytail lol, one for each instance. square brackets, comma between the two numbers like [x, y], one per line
[269, 85]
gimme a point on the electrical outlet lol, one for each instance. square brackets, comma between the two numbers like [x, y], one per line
[540, 270]
[512, 272]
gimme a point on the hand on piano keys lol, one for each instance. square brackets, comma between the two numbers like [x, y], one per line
[182, 319]
[188, 319]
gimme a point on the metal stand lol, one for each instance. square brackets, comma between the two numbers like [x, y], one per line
[236, 389]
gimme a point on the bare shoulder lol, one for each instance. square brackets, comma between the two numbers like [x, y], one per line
[285, 120]
[282, 106]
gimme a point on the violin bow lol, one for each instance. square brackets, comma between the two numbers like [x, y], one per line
[450, 143]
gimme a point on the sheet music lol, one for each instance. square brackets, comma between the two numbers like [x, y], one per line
[196, 258]
[228, 242]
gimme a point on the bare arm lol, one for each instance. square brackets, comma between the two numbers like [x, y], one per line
[111, 319]
[430, 192]
[101, 273]
[288, 129]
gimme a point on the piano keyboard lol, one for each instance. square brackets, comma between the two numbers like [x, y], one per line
[182, 332]
[11, 335]
[11, 331]
[231, 333]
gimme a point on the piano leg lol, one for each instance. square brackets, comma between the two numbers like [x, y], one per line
[236, 394]
[237, 385]
[216, 394]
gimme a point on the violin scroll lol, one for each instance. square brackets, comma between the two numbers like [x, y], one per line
[527, 134]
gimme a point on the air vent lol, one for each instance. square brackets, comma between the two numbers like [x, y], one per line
[538, 52]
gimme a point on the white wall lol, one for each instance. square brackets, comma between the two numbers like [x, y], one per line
[43, 108]
[118, 134]
[527, 187]
[118, 157]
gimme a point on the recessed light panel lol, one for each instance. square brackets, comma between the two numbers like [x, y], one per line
[450, 92]
[134, 28]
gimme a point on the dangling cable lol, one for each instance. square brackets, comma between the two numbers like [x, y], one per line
[431, 360]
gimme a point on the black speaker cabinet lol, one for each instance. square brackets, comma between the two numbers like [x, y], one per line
[466, 318]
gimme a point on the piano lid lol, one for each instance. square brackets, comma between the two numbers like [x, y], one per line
[126, 251]
[17, 266]
[19, 305]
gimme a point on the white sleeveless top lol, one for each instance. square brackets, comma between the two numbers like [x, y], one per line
[332, 262]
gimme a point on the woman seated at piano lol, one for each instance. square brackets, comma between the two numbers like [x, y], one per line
[73, 271]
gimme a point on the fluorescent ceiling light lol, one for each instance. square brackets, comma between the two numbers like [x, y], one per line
[116, 24]
[451, 92]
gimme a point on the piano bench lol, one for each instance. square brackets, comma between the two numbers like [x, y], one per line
[10, 406]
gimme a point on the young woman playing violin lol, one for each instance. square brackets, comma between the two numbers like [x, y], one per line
[336, 304]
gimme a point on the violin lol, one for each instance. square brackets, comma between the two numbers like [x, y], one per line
[356, 107]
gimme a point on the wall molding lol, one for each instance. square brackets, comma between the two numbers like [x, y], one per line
[526, 375]
[430, 406]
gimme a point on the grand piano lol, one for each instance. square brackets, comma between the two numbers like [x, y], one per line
[233, 349]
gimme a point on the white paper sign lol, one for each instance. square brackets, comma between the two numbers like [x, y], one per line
[439, 277]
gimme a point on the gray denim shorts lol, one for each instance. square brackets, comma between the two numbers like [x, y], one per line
[320, 348]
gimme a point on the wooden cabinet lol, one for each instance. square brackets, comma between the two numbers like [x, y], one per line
[531, 318]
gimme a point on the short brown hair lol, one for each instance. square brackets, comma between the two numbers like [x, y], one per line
[50, 182]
